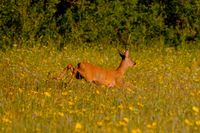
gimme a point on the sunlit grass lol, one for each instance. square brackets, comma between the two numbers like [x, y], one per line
[163, 92]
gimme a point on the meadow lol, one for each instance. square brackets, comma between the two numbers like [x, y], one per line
[162, 95]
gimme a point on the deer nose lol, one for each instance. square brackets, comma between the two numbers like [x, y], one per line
[134, 63]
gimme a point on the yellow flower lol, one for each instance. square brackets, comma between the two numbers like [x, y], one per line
[70, 103]
[22, 75]
[97, 92]
[20, 90]
[149, 126]
[33, 92]
[6, 120]
[192, 94]
[197, 123]
[131, 108]
[129, 89]
[153, 125]
[61, 114]
[140, 105]
[47, 94]
[120, 106]
[195, 109]
[38, 114]
[136, 131]
[99, 123]
[78, 126]
[126, 119]
[188, 122]
[64, 93]
[122, 123]
[198, 93]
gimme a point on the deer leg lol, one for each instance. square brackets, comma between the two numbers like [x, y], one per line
[63, 73]
[74, 72]
[77, 73]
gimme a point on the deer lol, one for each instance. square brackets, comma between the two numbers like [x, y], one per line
[99, 75]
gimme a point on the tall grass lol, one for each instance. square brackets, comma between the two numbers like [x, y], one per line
[163, 93]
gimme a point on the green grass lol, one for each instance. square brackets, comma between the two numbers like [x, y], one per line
[163, 94]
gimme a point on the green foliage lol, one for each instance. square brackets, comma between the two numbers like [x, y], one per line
[113, 22]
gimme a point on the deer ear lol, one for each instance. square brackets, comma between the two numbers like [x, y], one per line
[126, 53]
[121, 54]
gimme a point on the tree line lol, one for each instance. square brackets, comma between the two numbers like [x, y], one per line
[33, 22]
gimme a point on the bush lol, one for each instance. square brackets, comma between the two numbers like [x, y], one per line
[114, 22]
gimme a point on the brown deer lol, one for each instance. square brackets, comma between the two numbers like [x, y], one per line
[96, 74]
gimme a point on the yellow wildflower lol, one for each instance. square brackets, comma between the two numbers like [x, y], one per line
[188, 122]
[64, 93]
[140, 105]
[99, 123]
[195, 109]
[20, 90]
[38, 114]
[70, 103]
[122, 123]
[47, 94]
[32, 92]
[120, 106]
[130, 90]
[84, 110]
[126, 119]
[131, 108]
[6, 120]
[97, 92]
[153, 125]
[78, 126]
[61, 114]
[198, 93]
[197, 122]
[136, 131]
[192, 94]
[22, 75]
[49, 89]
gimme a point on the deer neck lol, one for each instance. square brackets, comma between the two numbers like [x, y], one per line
[122, 68]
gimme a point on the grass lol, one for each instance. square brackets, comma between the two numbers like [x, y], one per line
[163, 93]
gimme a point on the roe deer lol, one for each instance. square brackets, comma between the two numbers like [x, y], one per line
[93, 73]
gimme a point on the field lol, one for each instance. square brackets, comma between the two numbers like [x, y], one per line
[162, 92]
